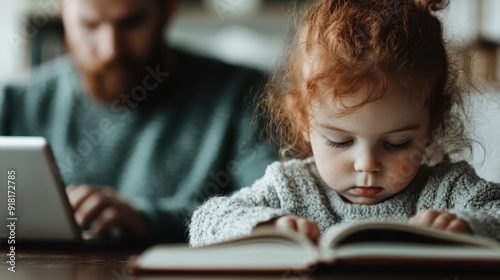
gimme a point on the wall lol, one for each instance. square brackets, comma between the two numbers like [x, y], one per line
[12, 55]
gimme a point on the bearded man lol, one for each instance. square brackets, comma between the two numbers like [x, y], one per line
[142, 133]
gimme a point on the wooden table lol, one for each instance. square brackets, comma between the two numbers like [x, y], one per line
[107, 265]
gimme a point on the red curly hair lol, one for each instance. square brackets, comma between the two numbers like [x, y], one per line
[344, 45]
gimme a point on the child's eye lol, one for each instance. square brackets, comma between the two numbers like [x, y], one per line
[338, 144]
[399, 147]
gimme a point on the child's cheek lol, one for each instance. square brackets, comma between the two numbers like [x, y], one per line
[335, 172]
[404, 168]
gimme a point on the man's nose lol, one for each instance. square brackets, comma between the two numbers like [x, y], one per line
[108, 46]
[367, 161]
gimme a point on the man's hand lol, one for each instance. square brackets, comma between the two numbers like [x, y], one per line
[104, 208]
[439, 219]
[303, 226]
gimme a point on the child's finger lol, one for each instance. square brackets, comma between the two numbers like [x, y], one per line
[308, 228]
[443, 220]
[315, 233]
[459, 225]
[425, 217]
[302, 226]
[287, 223]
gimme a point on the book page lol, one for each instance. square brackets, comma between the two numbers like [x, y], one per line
[266, 249]
[340, 236]
[415, 252]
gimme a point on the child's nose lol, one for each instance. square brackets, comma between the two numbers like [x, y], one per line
[367, 162]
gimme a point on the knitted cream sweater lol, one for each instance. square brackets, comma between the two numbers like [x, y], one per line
[295, 188]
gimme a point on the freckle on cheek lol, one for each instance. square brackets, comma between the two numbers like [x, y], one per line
[334, 171]
[403, 172]
[334, 175]
[408, 163]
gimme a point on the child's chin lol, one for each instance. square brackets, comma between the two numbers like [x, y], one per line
[363, 200]
[367, 200]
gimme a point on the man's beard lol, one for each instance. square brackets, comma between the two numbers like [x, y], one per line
[110, 81]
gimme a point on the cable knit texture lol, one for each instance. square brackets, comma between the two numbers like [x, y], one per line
[295, 188]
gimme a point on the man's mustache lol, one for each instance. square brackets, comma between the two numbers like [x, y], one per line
[114, 65]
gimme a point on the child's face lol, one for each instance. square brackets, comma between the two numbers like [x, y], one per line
[372, 153]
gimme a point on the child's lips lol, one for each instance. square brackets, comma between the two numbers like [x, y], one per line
[367, 191]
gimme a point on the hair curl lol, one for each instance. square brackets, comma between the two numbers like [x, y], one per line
[344, 45]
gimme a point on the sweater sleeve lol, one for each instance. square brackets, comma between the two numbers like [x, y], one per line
[223, 218]
[477, 202]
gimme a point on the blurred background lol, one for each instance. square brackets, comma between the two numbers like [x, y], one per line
[254, 33]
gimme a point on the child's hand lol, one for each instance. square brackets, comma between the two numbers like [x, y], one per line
[439, 219]
[303, 226]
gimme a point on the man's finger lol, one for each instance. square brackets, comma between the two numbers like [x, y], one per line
[108, 219]
[121, 217]
[131, 221]
[78, 194]
[91, 208]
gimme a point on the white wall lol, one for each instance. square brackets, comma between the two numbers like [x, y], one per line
[11, 53]
[460, 21]
[253, 40]
[490, 22]
[485, 118]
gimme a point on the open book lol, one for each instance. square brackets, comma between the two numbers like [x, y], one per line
[268, 249]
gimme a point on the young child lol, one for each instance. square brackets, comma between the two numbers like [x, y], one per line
[365, 103]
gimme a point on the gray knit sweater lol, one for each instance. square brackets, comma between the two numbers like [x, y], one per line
[190, 136]
[295, 188]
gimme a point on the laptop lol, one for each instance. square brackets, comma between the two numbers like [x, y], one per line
[35, 206]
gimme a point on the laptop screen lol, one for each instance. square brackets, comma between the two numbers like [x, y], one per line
[35, 205]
